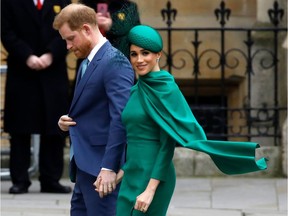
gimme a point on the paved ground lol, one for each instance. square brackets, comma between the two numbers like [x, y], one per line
[193, 197]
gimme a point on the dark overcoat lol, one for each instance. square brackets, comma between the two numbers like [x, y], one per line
[34, 100]
[125, 15]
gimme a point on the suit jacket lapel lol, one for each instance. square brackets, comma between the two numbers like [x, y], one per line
[31, 8]
[50, 5]
[81, 83]
[46, 7]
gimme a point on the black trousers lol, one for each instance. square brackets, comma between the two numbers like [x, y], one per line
[51, 160]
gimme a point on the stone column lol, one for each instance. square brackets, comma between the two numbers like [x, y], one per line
[262, 7]
[285, 129]
[262, 78]
[283, 4]
[284, 149]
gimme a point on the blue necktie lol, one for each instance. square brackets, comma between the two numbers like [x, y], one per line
[84, 66]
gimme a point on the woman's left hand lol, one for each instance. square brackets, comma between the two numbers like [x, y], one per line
[119, 176]
[144, 200]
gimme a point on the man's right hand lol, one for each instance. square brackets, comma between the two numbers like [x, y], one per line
[65, 122]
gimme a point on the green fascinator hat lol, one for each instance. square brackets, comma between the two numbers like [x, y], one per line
[146, 37]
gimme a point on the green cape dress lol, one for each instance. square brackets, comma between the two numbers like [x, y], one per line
[157, 117]
[162, 99]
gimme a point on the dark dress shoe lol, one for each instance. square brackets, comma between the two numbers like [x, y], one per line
[18, 189]
[55, 188]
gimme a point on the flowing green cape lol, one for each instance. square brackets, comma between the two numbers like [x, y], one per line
[164, 102]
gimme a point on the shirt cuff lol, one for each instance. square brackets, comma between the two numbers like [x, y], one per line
[106, 169]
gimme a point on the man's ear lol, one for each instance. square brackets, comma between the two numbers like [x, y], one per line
[86, 29]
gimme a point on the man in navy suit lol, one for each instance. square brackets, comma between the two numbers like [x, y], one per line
[94, 124]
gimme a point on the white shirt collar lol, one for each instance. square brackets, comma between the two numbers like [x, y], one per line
[96, 48]
[35, 2]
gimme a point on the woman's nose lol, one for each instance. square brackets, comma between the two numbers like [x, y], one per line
[139, 59]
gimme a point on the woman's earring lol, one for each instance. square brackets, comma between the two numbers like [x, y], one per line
[157, 60]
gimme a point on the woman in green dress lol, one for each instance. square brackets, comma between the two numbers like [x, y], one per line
[157, 117]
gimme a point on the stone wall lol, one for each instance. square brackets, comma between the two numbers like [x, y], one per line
[196, 13]
[189, 163]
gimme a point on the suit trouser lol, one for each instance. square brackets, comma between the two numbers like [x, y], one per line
[50, 158]
[86, 201]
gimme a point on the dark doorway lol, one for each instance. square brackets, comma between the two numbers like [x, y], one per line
[211, 115]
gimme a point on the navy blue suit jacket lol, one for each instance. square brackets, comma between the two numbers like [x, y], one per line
[99, 138]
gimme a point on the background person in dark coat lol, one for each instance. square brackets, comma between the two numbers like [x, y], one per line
[115, 25]
[36, 90]
[122, 15]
